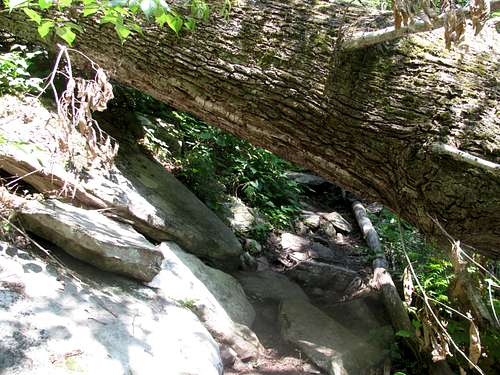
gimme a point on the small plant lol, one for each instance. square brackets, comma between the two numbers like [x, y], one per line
[187, 303]
[15, 76]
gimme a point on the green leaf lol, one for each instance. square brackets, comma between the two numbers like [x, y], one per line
[90, 9]
[403, 333]
[136, 28]
[33, 15]
[190, 24]
[161, 19]
[66, 34]
[74, 26]
[44, 4]
[45, 27]
[175, 22]
[109, 19]
[123, 32]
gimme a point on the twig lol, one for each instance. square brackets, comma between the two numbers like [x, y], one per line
[465, 157]
[370, 38]
[452, 240]
[23, 176]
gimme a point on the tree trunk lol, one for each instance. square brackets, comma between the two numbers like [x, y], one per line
[406, 123]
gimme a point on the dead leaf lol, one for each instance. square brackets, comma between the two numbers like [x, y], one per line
[475, 344]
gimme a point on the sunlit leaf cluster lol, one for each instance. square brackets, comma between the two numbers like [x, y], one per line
[126, 16]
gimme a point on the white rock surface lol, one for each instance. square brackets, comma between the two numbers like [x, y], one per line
[240, 217]
[216, 297]
[338, 221]
[293, 242]
[76, 319]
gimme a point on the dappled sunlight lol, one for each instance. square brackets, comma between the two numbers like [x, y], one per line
[84, 320]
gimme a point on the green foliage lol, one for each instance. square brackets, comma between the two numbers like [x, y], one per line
[126, 16]
[15, 74]
[213, 163]
[435, 273]
[240, 169]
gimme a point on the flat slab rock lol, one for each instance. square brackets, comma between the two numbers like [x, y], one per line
[327, 343]
[76, 319]
[93, 238]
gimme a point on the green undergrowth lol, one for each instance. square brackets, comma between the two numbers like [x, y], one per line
[214, 164]
[435, 273]
[17, 65]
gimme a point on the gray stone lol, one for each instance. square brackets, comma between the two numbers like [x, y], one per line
[311, 220]
[368, 313]
[292, 242]
[138, 188]
[92, 238]
[164, 209]
[300, 228]
[338, 221]
[326, 342]
[216, 297]
[72, 318]
[323, 253]
[270, 285]
[329, 229]
[323, 275]
[238, 215]
[248, 262]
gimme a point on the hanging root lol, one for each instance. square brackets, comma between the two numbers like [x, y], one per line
[75, 106]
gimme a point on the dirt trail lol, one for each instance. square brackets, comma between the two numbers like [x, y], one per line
[281, 358]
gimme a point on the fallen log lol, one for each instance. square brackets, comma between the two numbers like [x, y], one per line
[382, 279]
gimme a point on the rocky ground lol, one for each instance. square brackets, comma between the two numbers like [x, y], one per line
[326, 255]
[298, 303]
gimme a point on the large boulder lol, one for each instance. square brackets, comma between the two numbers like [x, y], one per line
[72, 318]
[217, 298]
[137, 188]
[92, 237]
[327, 343]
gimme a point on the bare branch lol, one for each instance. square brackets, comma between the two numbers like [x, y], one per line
[370, 38]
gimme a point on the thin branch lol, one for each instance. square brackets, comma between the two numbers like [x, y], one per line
[490, 295]
[463, 156]
[452, 241]
[369, 38]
